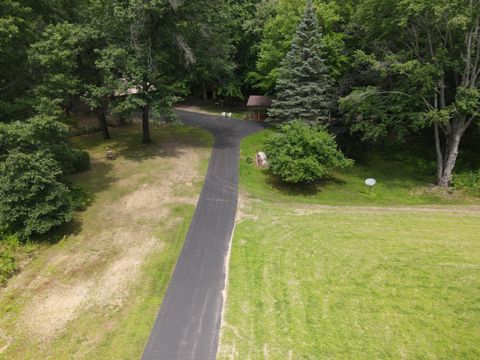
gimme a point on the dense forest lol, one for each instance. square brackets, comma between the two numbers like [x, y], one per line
[390, 69]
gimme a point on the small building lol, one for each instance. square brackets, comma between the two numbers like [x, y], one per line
[258, 107]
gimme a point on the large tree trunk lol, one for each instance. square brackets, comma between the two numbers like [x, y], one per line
[102, 121]
[438, 148]
[146, 124]
[450, 158]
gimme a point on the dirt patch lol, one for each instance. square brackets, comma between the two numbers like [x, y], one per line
[51, 312]
[96, 268]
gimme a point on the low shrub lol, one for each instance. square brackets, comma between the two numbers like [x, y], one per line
[303, 153]
[82, 161]
[468, 181]
[81, 199]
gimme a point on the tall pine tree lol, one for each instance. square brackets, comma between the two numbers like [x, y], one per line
[303, 89]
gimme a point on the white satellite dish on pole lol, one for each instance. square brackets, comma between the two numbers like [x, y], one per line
[370, 183]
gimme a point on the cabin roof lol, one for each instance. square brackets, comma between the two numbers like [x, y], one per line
[259, 101]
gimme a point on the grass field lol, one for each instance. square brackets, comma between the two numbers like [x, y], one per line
[95, 293]
[398, 182]
[353, 284]
[333, 272]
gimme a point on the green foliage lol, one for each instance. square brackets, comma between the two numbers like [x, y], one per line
[33, 200]
[277, 22]
[34, 156]
[303, 153]
[468, 181]
[80, 161]
[423, 65]
[467, 101]
[8, 264]
[81, 198]
[211, 43]
[47, 134]
[303, 89]
[54, 58]
[18, 26]
[385, 108]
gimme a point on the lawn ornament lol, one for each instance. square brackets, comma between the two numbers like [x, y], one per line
[110, 154]
[261, 159]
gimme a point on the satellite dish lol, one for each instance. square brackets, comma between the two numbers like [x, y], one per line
[370, 182]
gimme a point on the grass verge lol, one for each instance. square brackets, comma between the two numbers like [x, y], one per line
[354, 283]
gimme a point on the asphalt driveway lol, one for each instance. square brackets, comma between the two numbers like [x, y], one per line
[188, 324]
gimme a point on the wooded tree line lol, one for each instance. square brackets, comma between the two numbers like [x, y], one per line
[396, 66]
[119, 57]
[390, 68]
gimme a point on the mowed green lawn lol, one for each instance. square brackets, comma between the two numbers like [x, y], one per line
[401, 180]
[334, 272]
[353, 284]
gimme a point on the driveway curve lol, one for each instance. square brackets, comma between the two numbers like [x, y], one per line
[188, 324]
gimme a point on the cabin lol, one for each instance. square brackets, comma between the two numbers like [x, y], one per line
[258, 107]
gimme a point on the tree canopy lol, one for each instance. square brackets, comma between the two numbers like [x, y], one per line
[303, 89]
[384, 70]
[424, 63]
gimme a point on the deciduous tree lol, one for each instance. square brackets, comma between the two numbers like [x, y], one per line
[427, 56]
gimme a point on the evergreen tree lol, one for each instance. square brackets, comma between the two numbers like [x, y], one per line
[303, 87]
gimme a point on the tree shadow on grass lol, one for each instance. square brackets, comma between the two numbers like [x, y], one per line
[166, 142]
[72, 228]
[91, 182]
[303, 189]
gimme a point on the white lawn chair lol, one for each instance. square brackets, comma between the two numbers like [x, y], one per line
[229, 115]
[224, 114]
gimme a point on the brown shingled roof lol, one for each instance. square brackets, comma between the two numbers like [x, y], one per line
[259, 101]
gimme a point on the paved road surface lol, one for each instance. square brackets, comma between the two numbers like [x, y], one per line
[188, 324]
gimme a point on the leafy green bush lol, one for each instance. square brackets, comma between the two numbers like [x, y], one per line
[34, 156]
[43, 133]
[33, 200]
[80, 197]
[468, 181]
[82, 161]
[303, 153]
[8, 264]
